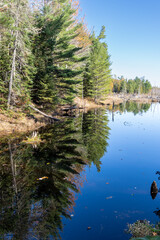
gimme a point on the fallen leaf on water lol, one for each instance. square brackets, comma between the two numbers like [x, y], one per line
[109, 197]
[42, 178]
[154, 234]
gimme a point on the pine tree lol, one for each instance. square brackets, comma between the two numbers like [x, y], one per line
[56, 54]
[95, 134]
[97, 75]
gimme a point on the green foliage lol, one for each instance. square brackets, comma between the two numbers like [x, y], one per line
[97, 74]
[123, 86]
[56, 55]
[49, 57]
[95, 132]
[133, 86]
[16, 60]
[137, 108]
[49, 43]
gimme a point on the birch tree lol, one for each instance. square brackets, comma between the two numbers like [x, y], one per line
[17, 36]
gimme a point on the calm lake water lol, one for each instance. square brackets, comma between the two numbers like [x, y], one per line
[88, 178]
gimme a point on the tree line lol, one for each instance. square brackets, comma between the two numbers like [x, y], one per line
[136, 85]
[48, 56]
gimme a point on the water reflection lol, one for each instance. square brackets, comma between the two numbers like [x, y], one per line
[157, 211]
[133, 107]
[154, 190]
[38, 185]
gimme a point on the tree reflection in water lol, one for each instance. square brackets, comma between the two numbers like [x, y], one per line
[38, 185]
[128, 106]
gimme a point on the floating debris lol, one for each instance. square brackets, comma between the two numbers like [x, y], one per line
[42, 178]
[128, 124]
[89, 228]
[109, 197]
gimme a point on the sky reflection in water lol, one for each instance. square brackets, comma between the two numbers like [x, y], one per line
[129, 166]
[85, 191]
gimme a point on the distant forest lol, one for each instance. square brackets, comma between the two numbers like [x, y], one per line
[137, 85]
[48, 56]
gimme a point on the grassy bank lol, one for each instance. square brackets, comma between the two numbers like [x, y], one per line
[16, 121]
[12, 123]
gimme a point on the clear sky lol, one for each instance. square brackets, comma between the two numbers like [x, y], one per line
[133, 35]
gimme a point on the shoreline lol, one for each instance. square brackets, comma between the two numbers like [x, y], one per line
[11, 126]
[120, 98]
[18, 123]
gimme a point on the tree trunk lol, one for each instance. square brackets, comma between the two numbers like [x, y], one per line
[42, 113]
[13, 168]
[12, 72]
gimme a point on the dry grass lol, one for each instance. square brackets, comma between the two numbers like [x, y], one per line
[13, 122]
[17, 123]
[86, 103]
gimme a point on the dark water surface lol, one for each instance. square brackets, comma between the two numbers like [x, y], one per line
[88, 178]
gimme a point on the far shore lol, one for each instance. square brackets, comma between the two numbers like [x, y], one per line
[117, 99]
[139, 98]
[20, 123]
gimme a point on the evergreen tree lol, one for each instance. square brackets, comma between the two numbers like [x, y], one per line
[16, 58]
[95, 134]
[56, 54]
[146, 86]
[137, 85]
[97, 75]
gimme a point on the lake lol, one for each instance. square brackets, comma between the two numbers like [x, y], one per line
[87, 179]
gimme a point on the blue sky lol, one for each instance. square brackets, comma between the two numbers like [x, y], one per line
[133, 34]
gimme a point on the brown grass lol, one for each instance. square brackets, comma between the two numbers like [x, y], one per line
[17, 123]
[86, 103]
